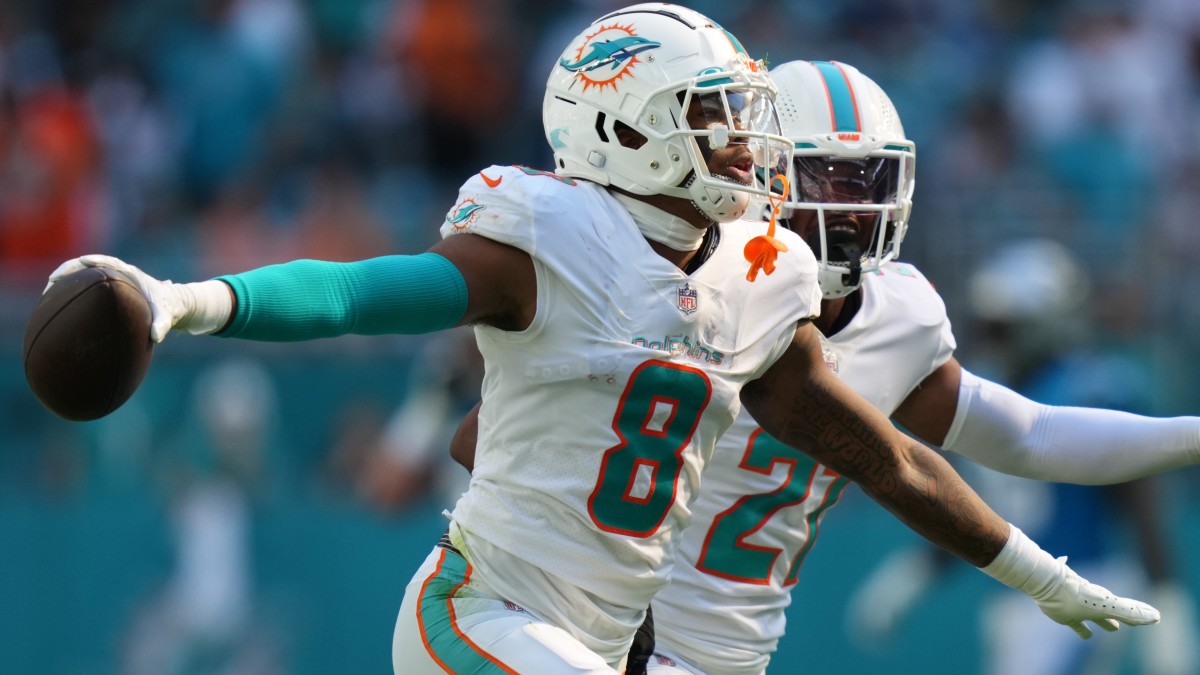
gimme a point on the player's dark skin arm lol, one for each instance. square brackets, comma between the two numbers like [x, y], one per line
[929, 410]
[501, 283]
[462, 445]
[800, 402]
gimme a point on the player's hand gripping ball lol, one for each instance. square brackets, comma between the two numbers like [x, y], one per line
[87, 344]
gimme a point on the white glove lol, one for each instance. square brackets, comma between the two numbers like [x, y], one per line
[1063, 595]
[197, 308]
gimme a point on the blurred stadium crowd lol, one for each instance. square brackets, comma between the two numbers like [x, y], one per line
[200, 137]
[220, 134]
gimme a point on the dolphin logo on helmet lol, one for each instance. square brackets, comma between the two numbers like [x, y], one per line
[607, 55]
[611, 52]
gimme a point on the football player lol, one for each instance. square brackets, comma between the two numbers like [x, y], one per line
[619, 328]
[883, 331]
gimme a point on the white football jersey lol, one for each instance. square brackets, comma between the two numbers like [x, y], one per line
[759, 511]
[598, 419]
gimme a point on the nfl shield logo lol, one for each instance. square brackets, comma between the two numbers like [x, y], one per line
[831, 358]
[687, 299]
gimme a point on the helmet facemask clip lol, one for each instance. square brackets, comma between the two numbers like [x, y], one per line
[843, 247]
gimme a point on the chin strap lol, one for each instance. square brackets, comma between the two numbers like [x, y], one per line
[763, 250]
[847, 249]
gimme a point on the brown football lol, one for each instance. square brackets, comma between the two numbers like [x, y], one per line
[87, 344]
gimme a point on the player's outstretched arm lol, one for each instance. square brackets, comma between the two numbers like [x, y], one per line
[801, 403]
[997, 427]
[464, 279]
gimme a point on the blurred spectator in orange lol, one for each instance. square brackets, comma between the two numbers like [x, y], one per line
[465, 67]
[49, 188]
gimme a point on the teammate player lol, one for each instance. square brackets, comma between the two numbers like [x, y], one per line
[619, 330]
[885, 332]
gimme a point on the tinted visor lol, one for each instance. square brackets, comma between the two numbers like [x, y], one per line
[827, 180]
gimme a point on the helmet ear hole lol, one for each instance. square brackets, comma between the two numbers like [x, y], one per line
[629, 137]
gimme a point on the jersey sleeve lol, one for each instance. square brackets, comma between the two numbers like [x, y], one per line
[506, 204]
[946, 342]
[800, 256]
[925, 302]
[793, 287]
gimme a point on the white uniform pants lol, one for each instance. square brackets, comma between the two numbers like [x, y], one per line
[446, 625]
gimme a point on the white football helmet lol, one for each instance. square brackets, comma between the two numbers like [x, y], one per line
[852, 166]
[644, 68]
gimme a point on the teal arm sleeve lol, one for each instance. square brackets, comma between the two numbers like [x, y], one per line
[310, 299]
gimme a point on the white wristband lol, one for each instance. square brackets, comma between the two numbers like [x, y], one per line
[1023, 565]
[209, 306]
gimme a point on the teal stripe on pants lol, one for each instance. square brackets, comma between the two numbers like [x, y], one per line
[433, 610]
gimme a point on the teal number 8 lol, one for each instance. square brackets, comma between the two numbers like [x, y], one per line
[655, 420]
